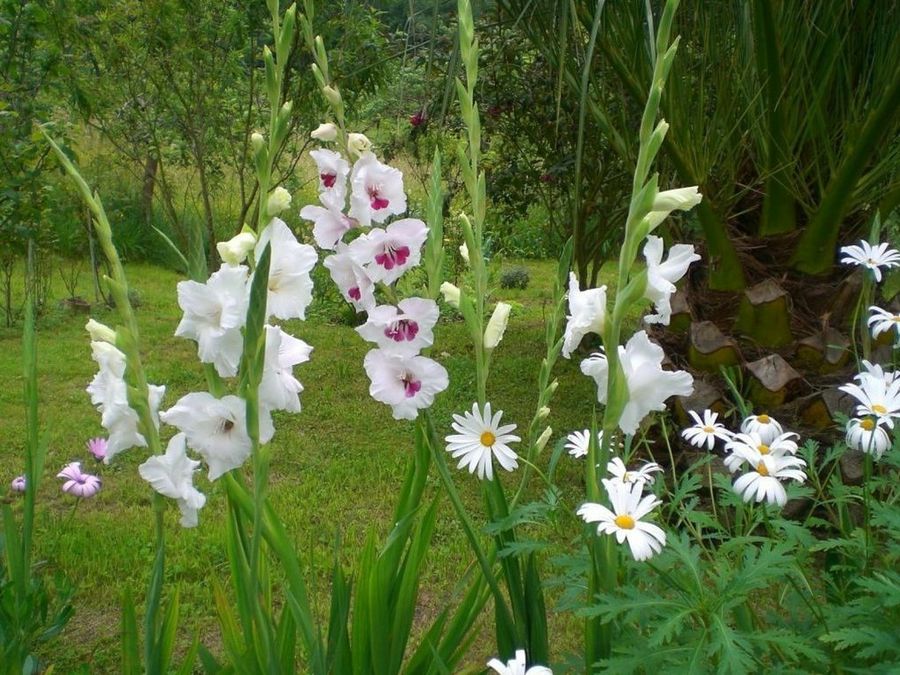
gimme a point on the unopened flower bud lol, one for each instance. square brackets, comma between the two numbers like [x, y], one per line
[332, 95]
[464, 252]
[100, 332]
[279, 200]
[257, 141]
[496, 325]
[553, 386]
[357, 144]
[543, 438]
[542, 412]
[235, 250]
[450, 293]
[326, 131]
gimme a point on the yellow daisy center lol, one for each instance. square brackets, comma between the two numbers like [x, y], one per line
[488, 439]
[763, 419]
[709, 430]
[880, 409]
[867, 424]
[763, 449]
[761, 469]
[625, 522]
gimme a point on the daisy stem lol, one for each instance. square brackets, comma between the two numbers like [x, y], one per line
[867, 479]
[662, 421]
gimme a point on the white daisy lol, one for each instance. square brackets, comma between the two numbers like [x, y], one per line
[868, 436]
[882, 321]
[767, 427]
[617, 469]
[172, 475]
[644, 539]
[763, 482]
[748, 446]
[873, 257]
[587, 314]
[517, 666]
[705, 431]
[479, 438]
[877, 396]
[874, 370]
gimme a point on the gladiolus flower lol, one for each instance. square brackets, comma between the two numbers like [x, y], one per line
[18, 484]
[172, 475]
[279, 200]
[587, 314]
[100, 332]
[333, 171]
[351, 279]
[648, 384]
[358, 144]
[661, 276]
[376, 191]
[330, 223]
[407, 384]
[235, 250]
[451, 294]
[387, 254]
[279, 389]
[479, 439]
[403, 330]
[78, 483]
[290, 283]
[464, 252]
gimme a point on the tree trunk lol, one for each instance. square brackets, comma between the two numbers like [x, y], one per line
[149, 184]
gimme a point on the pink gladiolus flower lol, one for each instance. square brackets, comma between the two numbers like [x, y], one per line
[97, 447]
[18, 484]
[78, 483]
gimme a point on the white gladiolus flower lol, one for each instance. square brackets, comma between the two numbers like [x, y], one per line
[358, 144]
[290, 264]
[479, 439]
[517, 666]
[172, 475]
[705, 431]
[496, 326]
[214, 313]
[587, 314]
[882, 321]
[376, 191]
[235, 250]
[767, 428]
[217, 429]
[333, 171]
[330, 223]
[100, 332]
[279, 200]
[351, 279]
[403, 330]
[871, 256]
[617, 469]
[327, 131]
[407, 384]
[648, 384]
[111, 360]
[878, 397]
[387, 254]
[661, 276]
[678, 199]
[450, 293]
[763, 482]
[868, 436]
[624, 521]
[279, 389]
[464, 252]
[746, 447]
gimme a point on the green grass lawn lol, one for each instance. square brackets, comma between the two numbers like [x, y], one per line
[336, 466]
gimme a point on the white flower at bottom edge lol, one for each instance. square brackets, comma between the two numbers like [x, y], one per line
[763, 482]
[624, 521]
[479, 438]
[868, 436]
[587, 314]
[882, 321]
[872, 256]
[644, 475]
[517, 665]
[705, 431]
[217, 429]
[648, 384]
[172, 475]
[407, 384]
